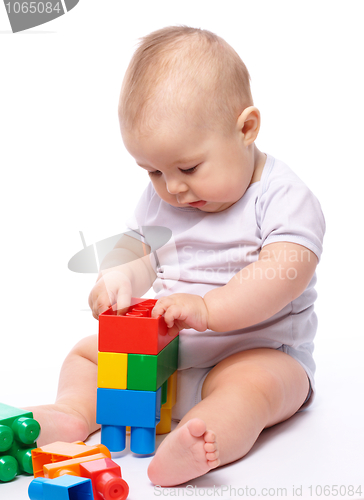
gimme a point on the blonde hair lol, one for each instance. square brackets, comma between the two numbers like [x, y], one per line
[179, 68]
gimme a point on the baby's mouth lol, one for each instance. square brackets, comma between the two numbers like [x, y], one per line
[198, 204]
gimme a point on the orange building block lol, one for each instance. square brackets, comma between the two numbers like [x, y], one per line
[60, 451]
[70, 467]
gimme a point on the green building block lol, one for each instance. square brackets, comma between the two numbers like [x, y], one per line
[18, 434]
[147, 372]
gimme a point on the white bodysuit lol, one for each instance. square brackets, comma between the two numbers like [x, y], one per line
[208, 249]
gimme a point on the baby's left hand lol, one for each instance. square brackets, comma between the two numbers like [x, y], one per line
[183, 310]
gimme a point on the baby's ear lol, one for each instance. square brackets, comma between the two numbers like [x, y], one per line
[248, 124]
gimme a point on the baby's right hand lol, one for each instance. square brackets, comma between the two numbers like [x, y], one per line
[112, 288]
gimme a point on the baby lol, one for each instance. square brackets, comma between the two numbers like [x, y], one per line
[247, 234]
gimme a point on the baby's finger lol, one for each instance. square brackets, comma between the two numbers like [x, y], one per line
[123, 301]
[172, 313]
[160, 308]
[101, 304]
[172, 332]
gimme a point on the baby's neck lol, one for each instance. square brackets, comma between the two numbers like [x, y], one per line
[259, 162]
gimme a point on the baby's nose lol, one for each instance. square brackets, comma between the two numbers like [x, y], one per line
[174, 186]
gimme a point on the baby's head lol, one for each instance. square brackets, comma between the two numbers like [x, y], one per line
[187, 117]
[182, 72]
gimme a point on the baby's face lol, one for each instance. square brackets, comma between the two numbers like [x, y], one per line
[190, 165]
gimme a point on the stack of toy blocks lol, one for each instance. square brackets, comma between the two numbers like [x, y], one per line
[56, 465]
[18, 433]
[137, 365]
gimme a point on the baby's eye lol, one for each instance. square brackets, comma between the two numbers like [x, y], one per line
[189, 170]
[154, 172]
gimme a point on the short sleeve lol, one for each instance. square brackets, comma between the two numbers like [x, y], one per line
[288, 211]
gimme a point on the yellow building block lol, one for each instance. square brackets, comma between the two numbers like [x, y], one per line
[165, 422]
[171, 391]
[112, 370]
[164, 425]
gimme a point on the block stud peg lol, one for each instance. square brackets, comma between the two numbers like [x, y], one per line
[8, 468]
[111, 487]
[26, 430]
[6, 438]
[106, 479]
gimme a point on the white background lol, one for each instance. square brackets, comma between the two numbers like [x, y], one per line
[64, 169]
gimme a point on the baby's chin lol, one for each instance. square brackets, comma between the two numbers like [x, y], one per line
[206, 206]
[215, 206]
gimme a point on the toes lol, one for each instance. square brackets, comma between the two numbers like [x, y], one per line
[213, 463]
[197, 427]
[210, 457]
[209, 437]
[210, 447]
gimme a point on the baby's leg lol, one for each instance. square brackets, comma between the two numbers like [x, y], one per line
[73, 416]
[242, 395]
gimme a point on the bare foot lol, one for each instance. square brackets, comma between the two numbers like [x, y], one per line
[188, 452]
[59, 422]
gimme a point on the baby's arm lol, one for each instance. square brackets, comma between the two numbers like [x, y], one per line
[125, 272]
[254, 294]
[261, 289]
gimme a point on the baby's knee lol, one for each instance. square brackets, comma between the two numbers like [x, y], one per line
[271, 375]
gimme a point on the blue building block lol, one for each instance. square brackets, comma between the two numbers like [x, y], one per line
[140, 410]
[126, 407]
[62, 488]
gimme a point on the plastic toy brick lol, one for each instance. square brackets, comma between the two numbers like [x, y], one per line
[142, 439]
[133, 332]
[59, 451]
[70, 467]
[164, 392]
[134, 408]
[140, 410]
[8, 468]
[22, 426]
[18, 433]
[172, 391]
[112, 370]
[62, 488]
[23, 458]
[164, 425]
[148, 372]
[107, 482]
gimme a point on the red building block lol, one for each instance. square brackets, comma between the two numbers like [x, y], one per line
[59, 451]
[107, 483]
[134, 332]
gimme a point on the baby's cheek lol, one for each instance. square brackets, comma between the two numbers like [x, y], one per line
[215, 193]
